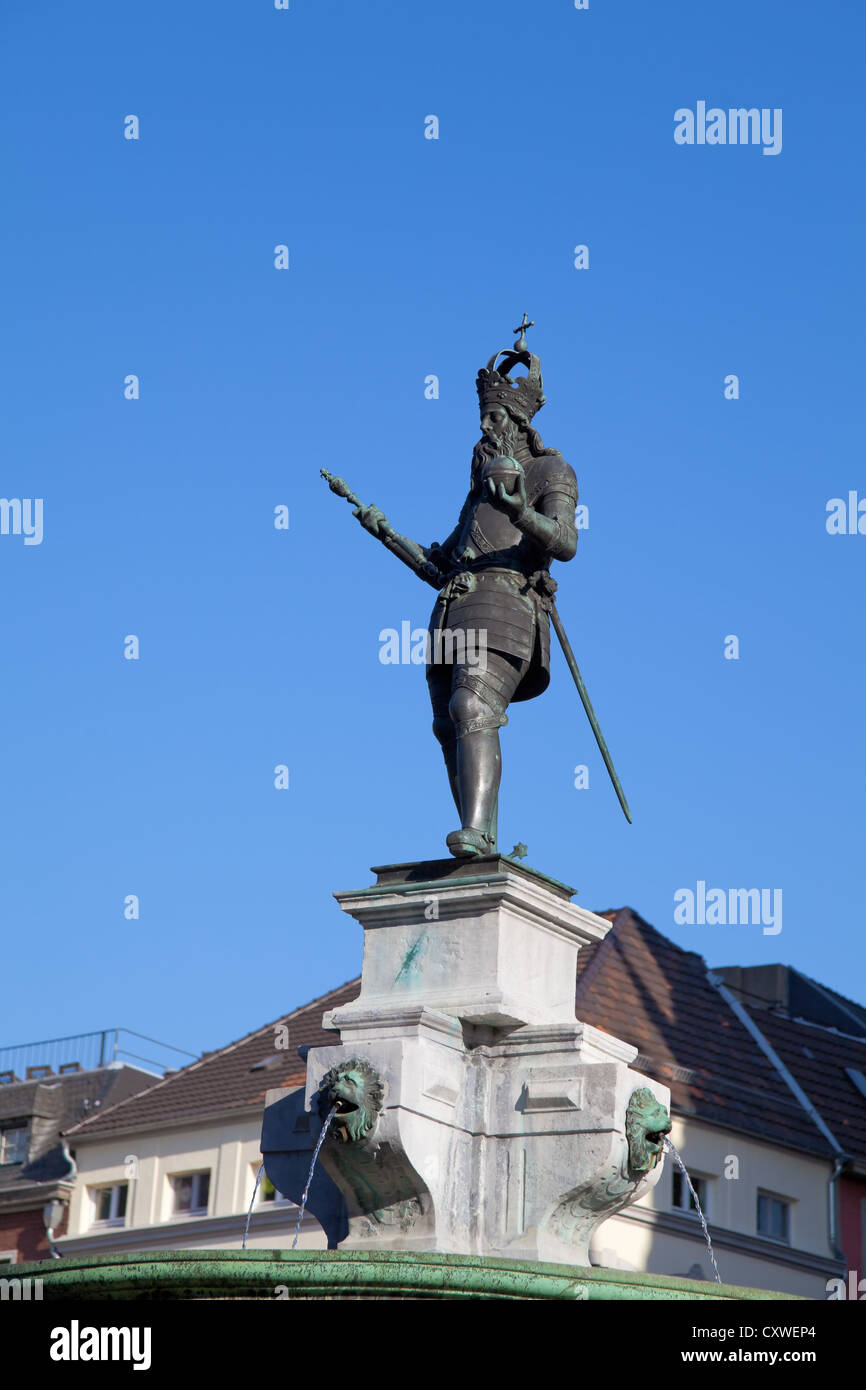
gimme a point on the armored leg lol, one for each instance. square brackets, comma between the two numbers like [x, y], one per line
[469, 705]
[439, 684]
[479, 768]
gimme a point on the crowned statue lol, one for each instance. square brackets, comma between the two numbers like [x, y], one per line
[493, 577]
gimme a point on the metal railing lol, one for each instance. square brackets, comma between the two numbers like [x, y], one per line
[85, 1051]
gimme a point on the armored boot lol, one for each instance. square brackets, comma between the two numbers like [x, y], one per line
[479, 767]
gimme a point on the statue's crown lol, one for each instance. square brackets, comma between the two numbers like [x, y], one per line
[521, 396]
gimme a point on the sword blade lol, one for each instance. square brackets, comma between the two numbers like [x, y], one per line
[587, 705]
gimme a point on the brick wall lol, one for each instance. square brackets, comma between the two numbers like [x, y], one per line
[852, 1193]
[24, 1231]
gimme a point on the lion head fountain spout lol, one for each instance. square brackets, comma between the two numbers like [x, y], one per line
[646, 1124]
[354, 1091]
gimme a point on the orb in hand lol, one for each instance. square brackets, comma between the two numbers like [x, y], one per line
[503, 470]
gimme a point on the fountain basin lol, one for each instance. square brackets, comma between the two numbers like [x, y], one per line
[184, 1275]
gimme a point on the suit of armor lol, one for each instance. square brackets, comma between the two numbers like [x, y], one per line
[489, 635]
[496, 584]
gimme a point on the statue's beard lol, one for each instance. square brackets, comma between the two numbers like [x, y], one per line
[492, 445]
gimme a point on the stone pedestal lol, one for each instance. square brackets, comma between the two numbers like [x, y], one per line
[496, 1122]
[485, 941]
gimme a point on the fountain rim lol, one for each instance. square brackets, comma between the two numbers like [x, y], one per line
[256, 1274]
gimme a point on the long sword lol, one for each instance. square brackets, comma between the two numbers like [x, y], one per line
[585, 701]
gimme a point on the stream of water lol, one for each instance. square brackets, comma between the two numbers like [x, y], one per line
[672, 1148]
[319, 1142]
[252, 1204]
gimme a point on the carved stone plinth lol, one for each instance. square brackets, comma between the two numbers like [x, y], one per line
[496, 1123]
[483, 940]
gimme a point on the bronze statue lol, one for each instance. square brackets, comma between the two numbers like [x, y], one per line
[493, 574]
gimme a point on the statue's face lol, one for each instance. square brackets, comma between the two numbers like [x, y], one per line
[494, 421]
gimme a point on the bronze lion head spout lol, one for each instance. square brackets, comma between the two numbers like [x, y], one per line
[646, 1124]
[354, 1090]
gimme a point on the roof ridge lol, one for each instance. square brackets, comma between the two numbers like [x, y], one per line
[778, 1064]
[644, 925]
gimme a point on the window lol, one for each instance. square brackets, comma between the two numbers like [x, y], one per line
[13, 1143]
[682, 1198]
[191, 1191]
[774, 1217]
[109, 1204]
[266, 1062]
[267, 1191]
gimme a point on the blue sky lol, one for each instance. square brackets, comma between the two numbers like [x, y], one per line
[411, 257]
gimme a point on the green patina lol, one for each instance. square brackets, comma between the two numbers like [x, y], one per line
[353, 1089]
[408, 968]
[646, 1124]
[180, 1275]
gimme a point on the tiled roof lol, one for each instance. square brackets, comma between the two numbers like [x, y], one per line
[225, 1079]
[49, 1106]
[817, 1058]
[644, 989]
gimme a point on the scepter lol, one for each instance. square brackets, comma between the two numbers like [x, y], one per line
[401, 546]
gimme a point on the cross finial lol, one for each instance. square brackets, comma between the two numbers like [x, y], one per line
[521, 345]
